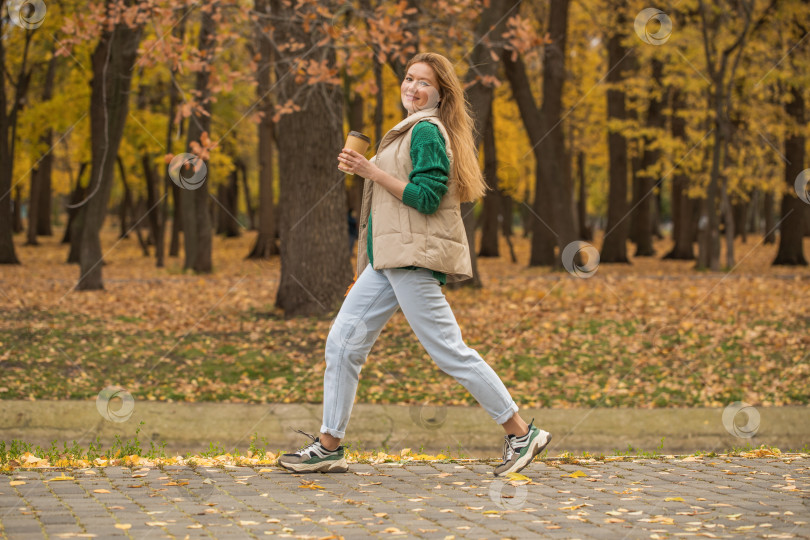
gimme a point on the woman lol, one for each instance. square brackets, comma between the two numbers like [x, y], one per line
[411, 241]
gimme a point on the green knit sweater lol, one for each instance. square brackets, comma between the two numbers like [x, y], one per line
[428, 180]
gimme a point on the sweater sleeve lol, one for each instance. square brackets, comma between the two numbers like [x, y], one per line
[431, 167]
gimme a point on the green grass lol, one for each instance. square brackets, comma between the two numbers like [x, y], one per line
[594, 363]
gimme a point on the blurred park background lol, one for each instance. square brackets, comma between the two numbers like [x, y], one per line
[665, 146]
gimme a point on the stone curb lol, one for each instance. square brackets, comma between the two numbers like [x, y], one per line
[463, 431]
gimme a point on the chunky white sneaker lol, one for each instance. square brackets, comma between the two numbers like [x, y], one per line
[518, 452]
[314, 458]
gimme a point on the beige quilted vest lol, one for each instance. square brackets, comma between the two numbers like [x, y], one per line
[401, 235]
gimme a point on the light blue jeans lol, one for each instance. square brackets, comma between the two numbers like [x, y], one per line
[369, 305]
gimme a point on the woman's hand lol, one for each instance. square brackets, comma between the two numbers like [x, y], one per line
[352, 162]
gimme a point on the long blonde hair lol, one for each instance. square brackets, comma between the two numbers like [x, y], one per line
[455, 115]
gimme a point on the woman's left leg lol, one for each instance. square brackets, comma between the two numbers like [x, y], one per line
[424, 305]
[433, 322]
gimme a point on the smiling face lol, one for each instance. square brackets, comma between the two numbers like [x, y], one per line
[420, 89]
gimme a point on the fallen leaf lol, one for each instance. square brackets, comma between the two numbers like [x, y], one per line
[123, 526]
[101, 491]
[59, 478]
[517, 476]
[574, 507]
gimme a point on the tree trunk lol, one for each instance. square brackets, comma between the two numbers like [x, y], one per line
[683, 233]
[197, 234]
[708, 225]
[644, 205]
[265, 245]
[227, 209]
[44, 175]
[126, 201]
[740, 212]
[507, 207]
[728, 217]
[76, 196]
[491, 211]
[138, 212]
[39, 206]
[767, 211]
[33, 210]
[794, 210]
[614, 247]
[537, 216]
[112, 63]
[315, 264]
[555, 157]
[16, 215]
[152, 203]
[8, 122]
[251, 213]
[582, 201]
[480, 92]
[177, 219]
[178, 32]
[720, 102]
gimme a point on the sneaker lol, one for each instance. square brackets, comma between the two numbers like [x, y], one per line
[518, 452]
[314, 458]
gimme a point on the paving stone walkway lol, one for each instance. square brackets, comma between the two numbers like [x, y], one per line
[661, 498]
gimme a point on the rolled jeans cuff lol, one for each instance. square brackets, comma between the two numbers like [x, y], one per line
[507, 414]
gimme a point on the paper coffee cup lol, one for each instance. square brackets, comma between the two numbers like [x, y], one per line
[358, 142]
